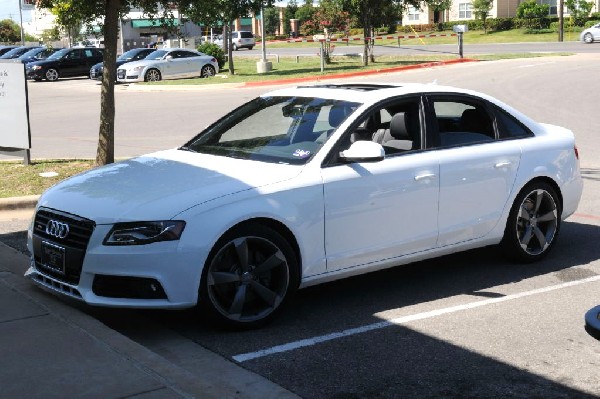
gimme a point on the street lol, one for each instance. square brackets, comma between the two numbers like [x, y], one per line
[464, 325]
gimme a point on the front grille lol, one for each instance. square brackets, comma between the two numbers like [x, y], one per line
[74, 243]
[120, 73]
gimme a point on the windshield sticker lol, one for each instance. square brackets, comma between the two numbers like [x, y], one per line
[301, 153]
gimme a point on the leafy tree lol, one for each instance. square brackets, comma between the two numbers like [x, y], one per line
[51, 35]
[329, 18]
[289, 13]
[482, 8]
[271, 15]
[68, 18]
[305, 13]
[10, 31]
[579, 10]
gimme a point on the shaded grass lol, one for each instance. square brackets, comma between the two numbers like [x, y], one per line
[19, 179]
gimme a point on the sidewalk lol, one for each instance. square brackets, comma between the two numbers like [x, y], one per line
[51, 349]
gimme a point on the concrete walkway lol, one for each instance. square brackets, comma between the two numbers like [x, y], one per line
[51, 349]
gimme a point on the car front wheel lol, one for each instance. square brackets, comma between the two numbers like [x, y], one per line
[52, 75]
[248, 277]
[153, 75]
[588, 38]
[533, 223]
[207, 71]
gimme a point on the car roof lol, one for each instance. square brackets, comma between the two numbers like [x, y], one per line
[368, 93]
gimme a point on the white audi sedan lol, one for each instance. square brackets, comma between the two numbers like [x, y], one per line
[302, 186]
[172, 63]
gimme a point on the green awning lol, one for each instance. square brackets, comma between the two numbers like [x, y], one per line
[150, 23]
[245, 21]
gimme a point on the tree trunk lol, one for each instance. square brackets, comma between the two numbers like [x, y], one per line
[106, 142]
[229, 49]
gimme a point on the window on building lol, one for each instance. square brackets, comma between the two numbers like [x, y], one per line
[553, 8]
[413, 13]
[465, 10]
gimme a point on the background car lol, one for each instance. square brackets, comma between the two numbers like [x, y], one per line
[128, 56]
[590, 35]
[174, 63]
[37, 54]
[65, 63]
[302, 186]
[242, 39]
[17, 52]
[6, 49]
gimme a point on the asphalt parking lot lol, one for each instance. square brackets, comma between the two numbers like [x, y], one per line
[465, 325]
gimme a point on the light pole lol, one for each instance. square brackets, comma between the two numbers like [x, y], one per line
[263, 65]
[21, 20]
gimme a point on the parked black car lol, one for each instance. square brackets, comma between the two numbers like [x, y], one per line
[37, 54]
[6, 49]
[131, 55]
[64, 63]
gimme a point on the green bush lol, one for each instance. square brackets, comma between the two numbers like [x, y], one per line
[590, 23]
[531, 31]
[595, 15]
[213, 50]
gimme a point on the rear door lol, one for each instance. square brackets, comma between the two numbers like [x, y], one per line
[477, 166]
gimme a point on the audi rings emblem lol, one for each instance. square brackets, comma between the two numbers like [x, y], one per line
[57, 229]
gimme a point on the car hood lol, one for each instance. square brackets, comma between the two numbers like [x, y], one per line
[159, 186]
[142, 63]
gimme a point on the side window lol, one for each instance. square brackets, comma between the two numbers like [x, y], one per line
[88, 53]
[461, 122]
[509, 127]
[74, 55]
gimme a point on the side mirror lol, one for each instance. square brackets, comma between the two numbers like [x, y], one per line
[169, 57]
[363, 151]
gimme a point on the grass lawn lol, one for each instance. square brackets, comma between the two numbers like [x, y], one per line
[287, 67]
[19, 180]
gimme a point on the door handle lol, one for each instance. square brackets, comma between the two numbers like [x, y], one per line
[502, 164]
[424, 176]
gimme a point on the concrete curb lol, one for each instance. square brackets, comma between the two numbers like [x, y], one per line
[14, 203]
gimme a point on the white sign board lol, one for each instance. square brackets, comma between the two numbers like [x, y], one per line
[14, 112]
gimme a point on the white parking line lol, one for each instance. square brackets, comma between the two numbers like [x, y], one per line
[402, 320]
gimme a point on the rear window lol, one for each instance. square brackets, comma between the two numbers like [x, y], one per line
[246, 35]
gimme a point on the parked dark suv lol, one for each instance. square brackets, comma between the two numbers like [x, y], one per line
[64, 63]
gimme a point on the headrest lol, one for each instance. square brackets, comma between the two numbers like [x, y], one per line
[399, 126]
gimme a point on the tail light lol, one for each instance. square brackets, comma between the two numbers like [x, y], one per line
[215, 60]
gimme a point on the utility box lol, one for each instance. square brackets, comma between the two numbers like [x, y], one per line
[460, 28]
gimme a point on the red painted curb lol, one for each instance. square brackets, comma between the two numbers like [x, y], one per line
[360, 73]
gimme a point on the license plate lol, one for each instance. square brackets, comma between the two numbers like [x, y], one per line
[53, 257]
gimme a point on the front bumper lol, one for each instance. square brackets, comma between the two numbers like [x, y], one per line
[126, 76]
[157, 275]
[35, 74]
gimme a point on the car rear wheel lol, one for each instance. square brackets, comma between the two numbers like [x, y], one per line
[207, 71]
[588, 38]
[533, 223]
[51, 75]
[152, 75]
[249, 275]
[234, 47]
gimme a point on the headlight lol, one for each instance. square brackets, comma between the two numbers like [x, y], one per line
[36, 67]
[141, 233]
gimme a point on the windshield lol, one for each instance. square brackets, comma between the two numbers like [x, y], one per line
[31, 53]
[14, 53]
[156, 55]
[59, 54]
[130, 55]
[274, 129]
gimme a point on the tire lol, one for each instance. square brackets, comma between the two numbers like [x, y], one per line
[250, 48]
[152, 75]
[51, 75]
[248, 277]
[234, 47]
[533, 223]
[207, 71]
[588, 38]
